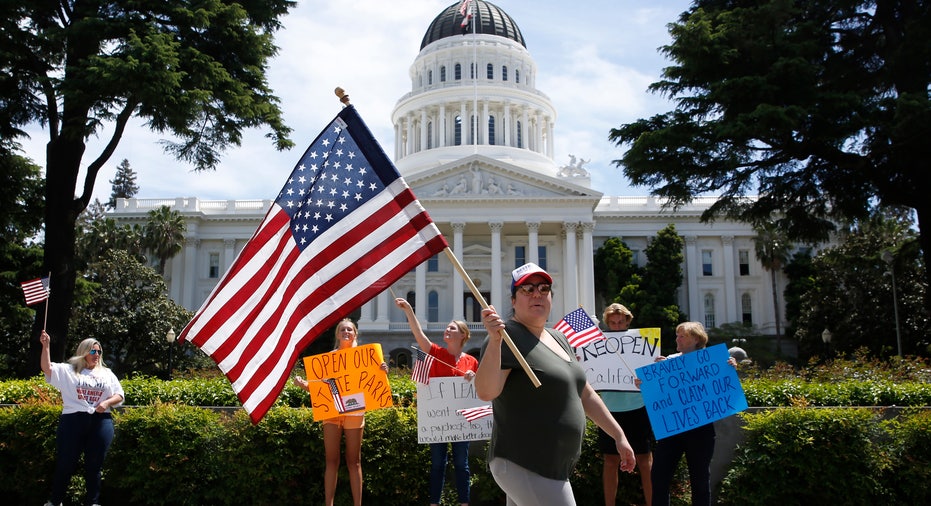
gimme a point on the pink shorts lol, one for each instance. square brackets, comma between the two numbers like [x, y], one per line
[347, 421]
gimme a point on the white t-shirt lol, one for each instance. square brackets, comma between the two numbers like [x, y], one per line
[81, 393]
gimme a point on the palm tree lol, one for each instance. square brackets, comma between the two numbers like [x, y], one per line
[164, 235]
[772, 250]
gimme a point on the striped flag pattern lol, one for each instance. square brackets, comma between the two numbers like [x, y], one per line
[579, 328]
[472, 414]
[422, 365]
[35, 290]
[344, 227]
[337, 397]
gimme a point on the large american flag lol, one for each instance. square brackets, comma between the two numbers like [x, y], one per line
[344, 228]
[579, 328]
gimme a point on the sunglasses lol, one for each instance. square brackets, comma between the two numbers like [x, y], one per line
[530, 288]
[95, 352]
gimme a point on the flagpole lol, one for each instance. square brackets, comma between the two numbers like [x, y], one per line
[481, 300]
[48, 300]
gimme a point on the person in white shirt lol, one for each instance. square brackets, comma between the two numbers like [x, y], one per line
[89, 389]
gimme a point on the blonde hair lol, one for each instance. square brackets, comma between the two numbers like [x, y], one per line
[336, 331]
[695, 330]
[78, 362]
[463, 329]
[616, 308]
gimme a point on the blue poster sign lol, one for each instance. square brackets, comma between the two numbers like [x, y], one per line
[690, 390]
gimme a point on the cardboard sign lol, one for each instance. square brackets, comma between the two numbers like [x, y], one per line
[346, 381]
[691, 390]
[437, 420]
[610, 364]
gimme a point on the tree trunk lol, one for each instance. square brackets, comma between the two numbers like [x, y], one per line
[776, 313]
[61, 212]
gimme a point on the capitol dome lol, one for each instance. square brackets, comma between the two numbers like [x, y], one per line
[473, 93]
[491, 20]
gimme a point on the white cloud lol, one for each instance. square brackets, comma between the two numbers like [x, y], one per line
[595, 60]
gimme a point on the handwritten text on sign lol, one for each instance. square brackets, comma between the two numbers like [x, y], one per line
[609, 364]
[690, 390]
[358, 375]
[437, 421]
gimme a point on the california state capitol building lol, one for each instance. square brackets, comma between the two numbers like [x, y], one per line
[474, 139]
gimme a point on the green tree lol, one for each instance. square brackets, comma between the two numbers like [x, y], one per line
[652, 295]
[105, 235]
[821, 109]
[163, 235]
[123, 184]
[195, 71]
[801, 280]
[852, 292]
[20, 256]
[614, 267]
[129, 312]
[772, 250]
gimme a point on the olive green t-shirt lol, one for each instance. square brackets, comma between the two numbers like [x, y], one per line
[539, 428]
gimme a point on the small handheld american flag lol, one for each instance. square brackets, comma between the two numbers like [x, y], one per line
[579, 328]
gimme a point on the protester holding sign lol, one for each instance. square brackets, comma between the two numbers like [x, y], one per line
[631, 414]
[449, 361]
[537, 432]
[350, 425]
[697, 444]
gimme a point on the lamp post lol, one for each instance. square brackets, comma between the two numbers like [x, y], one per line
[170, 337]
[888, 258]
[826, 336]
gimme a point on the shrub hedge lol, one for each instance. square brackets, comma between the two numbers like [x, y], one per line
[169, 451]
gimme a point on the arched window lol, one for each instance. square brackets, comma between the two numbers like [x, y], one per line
[433, 306]
[746, 308]
[504, 73]
[472, 123]
[430, 135]
[490, 71]
[491, 130]
[709, 311]
[517, 76]
[458, 133]
[520, 135]
[412, 299]
[472, 71]
[429, 77]
[443, 74]
[457, 72]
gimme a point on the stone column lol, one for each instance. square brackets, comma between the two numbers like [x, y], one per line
[533, 242]
[570, 276]
[497, 284]
[458, 282]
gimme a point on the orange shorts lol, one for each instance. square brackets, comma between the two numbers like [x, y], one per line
[347, 421]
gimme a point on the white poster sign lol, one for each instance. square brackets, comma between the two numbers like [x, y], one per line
[438, 420]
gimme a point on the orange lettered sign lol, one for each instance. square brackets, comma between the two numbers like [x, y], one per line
[347, 381]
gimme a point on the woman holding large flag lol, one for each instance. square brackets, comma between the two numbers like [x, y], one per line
[448, 361]
[537, 433]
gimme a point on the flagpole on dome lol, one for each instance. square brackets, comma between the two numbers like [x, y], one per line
[481, 300]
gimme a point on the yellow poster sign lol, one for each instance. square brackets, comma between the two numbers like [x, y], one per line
[347, 381]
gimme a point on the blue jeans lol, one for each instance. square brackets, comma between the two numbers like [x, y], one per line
[438, 454]
[90, 434]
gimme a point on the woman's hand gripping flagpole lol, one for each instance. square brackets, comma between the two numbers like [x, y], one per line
[504, 335]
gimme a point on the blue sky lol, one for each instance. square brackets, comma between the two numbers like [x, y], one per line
[595, 59]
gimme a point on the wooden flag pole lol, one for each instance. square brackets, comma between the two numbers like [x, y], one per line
[481, 300]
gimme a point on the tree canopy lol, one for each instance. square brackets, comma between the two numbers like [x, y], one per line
[194, 70]
[807, 113]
